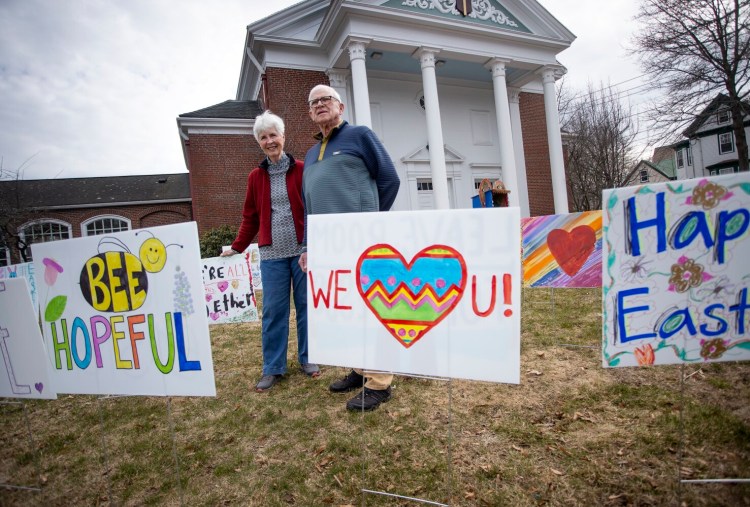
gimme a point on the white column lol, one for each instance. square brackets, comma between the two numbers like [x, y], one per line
[556, 161]
[515, 126]
[502, 110]
[434, 128]
[359, 84]
[337, 78]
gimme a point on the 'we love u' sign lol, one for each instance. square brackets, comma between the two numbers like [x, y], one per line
[420, 292]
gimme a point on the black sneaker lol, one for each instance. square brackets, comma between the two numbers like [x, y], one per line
[349, 383]
[368, 399]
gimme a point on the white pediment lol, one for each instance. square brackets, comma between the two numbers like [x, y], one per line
[421, 155]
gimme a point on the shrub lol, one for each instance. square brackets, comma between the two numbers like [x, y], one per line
[212, 241]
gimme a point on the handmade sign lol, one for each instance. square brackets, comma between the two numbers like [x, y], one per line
[229, 289]
[562, 250]
[254, 252]
[123, 313]
[676, 274]
[23, 370]
[24, 270]
[419, 292]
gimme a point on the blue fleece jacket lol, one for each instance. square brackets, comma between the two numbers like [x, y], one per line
[355, 174]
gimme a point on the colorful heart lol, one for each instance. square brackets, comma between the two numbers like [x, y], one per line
[39, 387]
[571, 249]
[209, 297]
[223, 285]
[215, 316]
[411, 298]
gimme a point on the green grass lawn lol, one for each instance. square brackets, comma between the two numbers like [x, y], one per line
[571, 433]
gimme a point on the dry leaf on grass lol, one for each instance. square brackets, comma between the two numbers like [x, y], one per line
[557, 472]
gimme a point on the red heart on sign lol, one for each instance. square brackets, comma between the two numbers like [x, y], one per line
[571, 249]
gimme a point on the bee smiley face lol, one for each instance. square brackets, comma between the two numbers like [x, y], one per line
[153, 255]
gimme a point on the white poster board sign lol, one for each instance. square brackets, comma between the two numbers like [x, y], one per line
[420, 292]
[254, 252]
[229, 289]
[24, 270]
[676, 272]
[23, 371]
[123, 313]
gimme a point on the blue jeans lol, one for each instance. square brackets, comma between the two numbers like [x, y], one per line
[277, 276]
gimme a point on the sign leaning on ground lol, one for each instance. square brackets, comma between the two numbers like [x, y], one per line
[676, 272]
[23, 270]
[123, 313]
[420, 292]
[229, 289]
[23, 370]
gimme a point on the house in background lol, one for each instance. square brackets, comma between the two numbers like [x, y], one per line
[52, 209]
[462, 94]
[710, 147]
[660, 168]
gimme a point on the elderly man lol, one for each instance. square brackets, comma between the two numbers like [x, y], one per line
[348, 171]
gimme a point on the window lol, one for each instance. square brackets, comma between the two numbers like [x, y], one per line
[725, 170]
[104, 225]
[723, 116]
[644, 175]
[680, 158]
[4, 256]
[689, 152]
[424, 185]
[726, 143]
[43, 231]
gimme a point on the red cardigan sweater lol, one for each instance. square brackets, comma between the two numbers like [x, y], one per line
[256, 213]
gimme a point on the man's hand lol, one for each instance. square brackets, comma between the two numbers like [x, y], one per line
[227, 253]
[303, 262]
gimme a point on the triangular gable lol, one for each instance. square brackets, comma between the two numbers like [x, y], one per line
[422, 155]
[483, 12]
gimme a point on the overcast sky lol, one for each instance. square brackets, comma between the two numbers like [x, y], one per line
[93, 87]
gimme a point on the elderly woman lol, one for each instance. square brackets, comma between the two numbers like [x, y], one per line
[274, 211]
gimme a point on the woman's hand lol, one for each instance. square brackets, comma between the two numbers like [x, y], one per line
[303, 262]
[227, 253]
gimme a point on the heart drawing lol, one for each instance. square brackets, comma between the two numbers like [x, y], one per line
[39, 387]
[223, 285]
[571, 249]
[411, 298]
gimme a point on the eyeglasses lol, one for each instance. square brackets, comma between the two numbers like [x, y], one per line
[321, 100]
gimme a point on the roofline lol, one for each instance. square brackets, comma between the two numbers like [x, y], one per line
[112, 204]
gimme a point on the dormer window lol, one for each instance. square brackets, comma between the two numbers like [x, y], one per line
[723, 116]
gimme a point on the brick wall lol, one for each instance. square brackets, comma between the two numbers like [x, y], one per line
[140, 216]
[288, 90]
[536, 153]
[220, 163]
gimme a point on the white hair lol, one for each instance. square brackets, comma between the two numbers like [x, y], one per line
[267, 121]
[330, 91]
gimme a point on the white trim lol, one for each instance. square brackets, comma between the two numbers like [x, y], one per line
[84, 224]
[22, 227]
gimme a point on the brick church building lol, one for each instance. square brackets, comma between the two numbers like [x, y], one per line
[475, 78]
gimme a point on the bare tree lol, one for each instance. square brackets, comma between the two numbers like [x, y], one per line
[695, 49]
[13, 208]
[601, 144]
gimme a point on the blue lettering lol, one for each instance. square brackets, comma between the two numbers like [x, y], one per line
[721, 326]
[741, 307]
[729, 227]
[185, 365]
[622, 312]
[670, 324]
[633, 226]
[79, 325]
[688, 228]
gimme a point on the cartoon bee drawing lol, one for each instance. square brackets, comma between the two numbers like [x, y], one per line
[116, 280]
